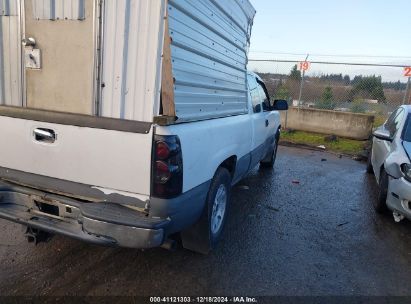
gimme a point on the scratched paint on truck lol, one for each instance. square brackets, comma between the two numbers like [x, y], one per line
[210, 41]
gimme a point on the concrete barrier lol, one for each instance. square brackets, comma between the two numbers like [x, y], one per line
[343, 124]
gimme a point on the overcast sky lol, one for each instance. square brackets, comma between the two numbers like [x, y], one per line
[343, 29]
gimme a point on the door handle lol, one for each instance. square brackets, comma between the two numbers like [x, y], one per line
[29, 42]
[267, 123]
[45, 135]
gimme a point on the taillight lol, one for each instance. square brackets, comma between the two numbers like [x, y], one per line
[167, 175]
[163, 172]
[162, 150]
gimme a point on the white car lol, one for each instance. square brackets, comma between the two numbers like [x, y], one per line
[389, 160]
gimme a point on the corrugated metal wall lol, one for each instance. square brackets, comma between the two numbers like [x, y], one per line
[59, 9]
[209, 55]
[133, 34]
[8, 8]
[10, 54]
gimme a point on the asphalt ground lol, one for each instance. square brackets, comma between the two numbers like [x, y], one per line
[307, 228]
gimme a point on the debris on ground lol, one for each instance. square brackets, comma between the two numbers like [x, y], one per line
[296, 182]
[357, 158]
[323, 159]
[322, 147]
[398, 217]
[343, 224]
[331, 138]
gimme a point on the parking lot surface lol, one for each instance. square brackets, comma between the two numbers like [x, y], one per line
[307, 228]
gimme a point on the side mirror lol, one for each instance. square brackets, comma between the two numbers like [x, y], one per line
[383, 134]
[280, 105]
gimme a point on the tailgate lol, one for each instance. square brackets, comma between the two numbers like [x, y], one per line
[113, 156]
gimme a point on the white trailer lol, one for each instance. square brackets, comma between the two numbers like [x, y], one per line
[120, 118]
[107, 60]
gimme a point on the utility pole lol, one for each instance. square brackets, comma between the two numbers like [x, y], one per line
[302, 84]
[407, 95]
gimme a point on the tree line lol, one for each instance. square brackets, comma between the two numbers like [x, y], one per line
[330, 91]
[341, 79]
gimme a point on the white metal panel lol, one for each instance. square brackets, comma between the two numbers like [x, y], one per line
[10, 61]
[132, 51]
[9, 7]
[210, 41]
[240, 13]
[108, 159]
[59, 9]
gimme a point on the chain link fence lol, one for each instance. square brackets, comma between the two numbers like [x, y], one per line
[375, 89]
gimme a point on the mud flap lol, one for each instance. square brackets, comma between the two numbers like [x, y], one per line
[197, 238]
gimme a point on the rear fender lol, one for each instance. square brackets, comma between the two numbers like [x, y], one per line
[218, 159]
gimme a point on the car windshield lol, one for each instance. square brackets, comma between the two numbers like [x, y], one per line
[407, 130]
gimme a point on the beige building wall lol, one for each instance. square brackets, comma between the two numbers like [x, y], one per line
[343, 124]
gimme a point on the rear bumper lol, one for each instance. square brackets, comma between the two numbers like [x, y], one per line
[98, 223]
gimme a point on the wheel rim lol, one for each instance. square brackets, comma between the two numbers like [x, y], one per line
[219, 209]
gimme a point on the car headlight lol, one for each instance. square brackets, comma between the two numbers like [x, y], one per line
[406, 170]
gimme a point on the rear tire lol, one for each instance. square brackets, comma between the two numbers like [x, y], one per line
[206, 233]
[380, 204]
[270, 161]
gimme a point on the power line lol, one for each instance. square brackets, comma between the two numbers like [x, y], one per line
[333, 63]
[329, 55]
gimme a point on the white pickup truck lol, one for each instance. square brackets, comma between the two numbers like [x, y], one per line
[126, 122]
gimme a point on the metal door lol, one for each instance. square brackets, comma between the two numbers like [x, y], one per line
[258, 118]
[58, 54]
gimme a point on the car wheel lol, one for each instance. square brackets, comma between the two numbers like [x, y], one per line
[206, 233]
[370, 169]
[380, 204]
[270, 161]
